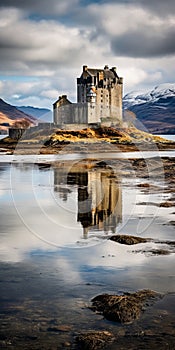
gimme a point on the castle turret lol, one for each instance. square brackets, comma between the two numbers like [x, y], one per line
[91, 95]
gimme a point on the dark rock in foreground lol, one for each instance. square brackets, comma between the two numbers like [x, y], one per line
[123, 308]
[94, 340]
[129, 240]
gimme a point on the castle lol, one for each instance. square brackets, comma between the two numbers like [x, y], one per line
[99, 196]
[99, 100]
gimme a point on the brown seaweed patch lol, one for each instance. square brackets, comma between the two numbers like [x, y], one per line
[154, 251]
[144, 185]
[93, 340]
[128, 240]
[172, 222]
[123, 308]
[167, 204]
[149, 188]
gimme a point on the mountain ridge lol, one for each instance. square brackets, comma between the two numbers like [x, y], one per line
[155, 109]
[43, 114]
[165, 90]
[10, 115]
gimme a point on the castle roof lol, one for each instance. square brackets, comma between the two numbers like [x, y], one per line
[107, 73]
[62, 100]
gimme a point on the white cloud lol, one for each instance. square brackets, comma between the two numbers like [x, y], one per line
[134, 75]
[51, 52]
[9, 17]
[115, 19]
[39, 48]
[133, 30]
[52, 94]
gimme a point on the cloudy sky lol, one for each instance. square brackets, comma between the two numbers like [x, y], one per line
[44, 45]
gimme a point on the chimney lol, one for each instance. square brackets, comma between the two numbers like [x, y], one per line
[85, 68]
[114, 70]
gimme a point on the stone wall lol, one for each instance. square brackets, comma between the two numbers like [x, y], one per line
[88, 113]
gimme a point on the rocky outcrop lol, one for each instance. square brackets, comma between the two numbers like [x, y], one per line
[123, 308]
[125, 136]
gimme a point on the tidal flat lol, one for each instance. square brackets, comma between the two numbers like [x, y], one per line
[75, 228]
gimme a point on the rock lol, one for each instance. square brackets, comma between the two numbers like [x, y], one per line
[167, 204]
[122, 308]
[66, 344]
[159, 252]
[101, 164]
[129, 240]
[144, 185]
[172, 222]
[154, 251]
[59, 328]
[94, 340]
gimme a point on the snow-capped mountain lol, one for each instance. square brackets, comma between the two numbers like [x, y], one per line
[137, 97]
[155, 108]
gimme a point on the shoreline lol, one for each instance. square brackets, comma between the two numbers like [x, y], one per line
[79, 147]
[85, 140]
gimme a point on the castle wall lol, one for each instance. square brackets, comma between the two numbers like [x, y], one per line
[73, 126]
[74, 113]
[116, 101]
[86, 114]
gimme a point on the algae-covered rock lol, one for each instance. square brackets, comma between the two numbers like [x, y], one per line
[128, 240]
[94, 340]
[123, 308]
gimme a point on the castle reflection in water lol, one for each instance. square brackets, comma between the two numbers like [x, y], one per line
[98, 194]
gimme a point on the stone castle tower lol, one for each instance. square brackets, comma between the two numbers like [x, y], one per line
[99, 100]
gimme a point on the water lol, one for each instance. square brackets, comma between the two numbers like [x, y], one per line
[34, 159]
[55, 254]
[3, 136]
[168, 137]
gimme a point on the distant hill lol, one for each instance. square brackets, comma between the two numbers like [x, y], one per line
[155, 109]
[43, 114]
[10, 115]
